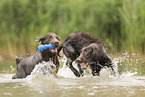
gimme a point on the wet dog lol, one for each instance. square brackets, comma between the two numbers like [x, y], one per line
[26, 65]
[95, 55]
[73, 46]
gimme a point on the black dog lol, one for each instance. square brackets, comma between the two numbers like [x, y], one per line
[26, 65]
[72, 47]
[95, 55]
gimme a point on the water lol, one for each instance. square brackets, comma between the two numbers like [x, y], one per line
[41, 83]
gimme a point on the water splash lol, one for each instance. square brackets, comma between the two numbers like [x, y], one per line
[46, 69]
[66, 76]
[43, 73]
[43, 82]
[115, 66]
[42, 69]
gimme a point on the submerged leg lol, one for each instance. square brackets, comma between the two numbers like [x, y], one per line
[20, 73]
[115, 73]
[106, 61]
[111, 66]
[108, 64]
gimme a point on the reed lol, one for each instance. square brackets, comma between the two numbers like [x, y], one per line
[133, 17]
[119, 23]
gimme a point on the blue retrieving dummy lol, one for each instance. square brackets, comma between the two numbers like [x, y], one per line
[46, 46]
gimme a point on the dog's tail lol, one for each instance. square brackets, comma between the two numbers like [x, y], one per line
[18, 59]
[59, 49]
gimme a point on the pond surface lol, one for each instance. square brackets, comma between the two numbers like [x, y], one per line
[43, 84]
[50, 86]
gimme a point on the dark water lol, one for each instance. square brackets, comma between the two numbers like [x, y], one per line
[130, 83]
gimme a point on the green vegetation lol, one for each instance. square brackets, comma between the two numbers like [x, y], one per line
[7, 67]
[119, 23]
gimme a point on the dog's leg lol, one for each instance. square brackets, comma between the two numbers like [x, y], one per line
[57, 64]
[108, 62]
[110, 65]
[76, 73]
[69, 52]
[80, 70]
[20, 72]
[95, 69]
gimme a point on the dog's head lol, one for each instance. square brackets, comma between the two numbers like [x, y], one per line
[89, 53]
[50, 38]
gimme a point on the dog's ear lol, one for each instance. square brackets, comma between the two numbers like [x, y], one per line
[94, 55]
[39, 39]
[18, 59]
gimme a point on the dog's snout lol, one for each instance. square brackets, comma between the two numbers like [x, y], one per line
[56, 43]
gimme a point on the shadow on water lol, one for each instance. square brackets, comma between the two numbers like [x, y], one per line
[41, 83]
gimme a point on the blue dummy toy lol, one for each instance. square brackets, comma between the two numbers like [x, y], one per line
[46, 46]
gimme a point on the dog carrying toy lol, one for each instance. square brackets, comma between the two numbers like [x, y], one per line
[46, 46]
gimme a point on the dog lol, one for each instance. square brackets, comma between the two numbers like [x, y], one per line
[26, 65]
[73, 46]
[96, 56]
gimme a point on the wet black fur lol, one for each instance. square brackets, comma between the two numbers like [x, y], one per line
[72, 48]
[96, 56]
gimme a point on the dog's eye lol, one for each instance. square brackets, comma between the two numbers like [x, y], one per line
[58, 38]
[50, 37]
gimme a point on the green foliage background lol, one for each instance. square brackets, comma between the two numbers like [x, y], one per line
[119, 23]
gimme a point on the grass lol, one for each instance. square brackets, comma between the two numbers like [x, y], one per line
[7, 67]
[119, 23]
